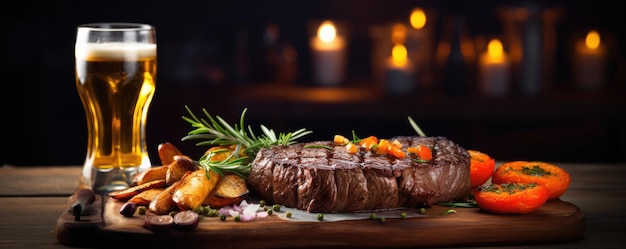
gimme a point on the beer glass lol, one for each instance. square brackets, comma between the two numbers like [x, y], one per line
[115, 77]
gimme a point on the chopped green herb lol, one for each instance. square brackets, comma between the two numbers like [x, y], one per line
[318, 146]
[467, 204]
[509, 188]
[320, 216]
[416, 127]
[536, 170]
[141, 210]
[450, 211]
[276, 207]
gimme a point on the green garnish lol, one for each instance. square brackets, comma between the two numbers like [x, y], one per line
[509, 188]
[317, 146]
[535, 171]
[215, 131]
[416, 127]
[237, 165]
[450, 211]
[468, 204]
[276, 207]
[320, 216]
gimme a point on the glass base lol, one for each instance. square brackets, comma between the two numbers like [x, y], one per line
[104, 181]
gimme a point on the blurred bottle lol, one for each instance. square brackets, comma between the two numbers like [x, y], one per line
[454, 57]
[530, 30]
[278, 59]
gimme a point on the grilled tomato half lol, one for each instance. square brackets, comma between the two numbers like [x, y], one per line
[554, 178]
[511, 198]
[481, 167]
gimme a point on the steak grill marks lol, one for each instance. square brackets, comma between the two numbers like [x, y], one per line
[334, 181]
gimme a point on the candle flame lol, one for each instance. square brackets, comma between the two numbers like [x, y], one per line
[399, 55]
[494, 48]
[398, 33]
[593, 39]
[418, 18]
[327, 31]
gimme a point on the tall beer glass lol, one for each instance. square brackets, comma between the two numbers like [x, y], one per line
[115, 78]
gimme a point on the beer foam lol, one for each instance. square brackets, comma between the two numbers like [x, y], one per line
[121, 51]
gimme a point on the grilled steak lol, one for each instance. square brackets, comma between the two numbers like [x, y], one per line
[318, 179]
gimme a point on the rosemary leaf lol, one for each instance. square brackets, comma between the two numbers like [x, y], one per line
[215, 131]
[416, 127]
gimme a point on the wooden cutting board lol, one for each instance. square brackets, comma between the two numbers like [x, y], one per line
[103, 226]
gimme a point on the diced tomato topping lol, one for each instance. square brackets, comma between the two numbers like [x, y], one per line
[373, 144]
[368, 142]
[397, 152]
[396, 143]
[383, 147]
[340, 139]
[351, 148]
[422, 152]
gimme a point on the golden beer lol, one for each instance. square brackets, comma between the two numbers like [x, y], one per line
[116, 83]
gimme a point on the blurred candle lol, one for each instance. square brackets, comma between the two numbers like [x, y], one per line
[418, 18]
[494, 70]
[399, 74]
[328, 53]
[590, 62]
[418, 45]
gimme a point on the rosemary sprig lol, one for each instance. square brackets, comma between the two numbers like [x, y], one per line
[215, 131]
[416, 127]
[236, 165]
[465, 204]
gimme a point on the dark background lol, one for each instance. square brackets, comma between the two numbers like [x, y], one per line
[43, 119]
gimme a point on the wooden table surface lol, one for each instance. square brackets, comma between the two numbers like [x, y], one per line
[33, 198]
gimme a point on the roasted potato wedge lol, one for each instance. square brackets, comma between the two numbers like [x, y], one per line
[194, 188]
[231, 189]
[163, 203]
[167, 151]
[144, 198]
[154, 173]
[128, 193]
[181, 165]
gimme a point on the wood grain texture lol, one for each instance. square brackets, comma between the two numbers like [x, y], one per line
[557, 221]
[39, 180]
